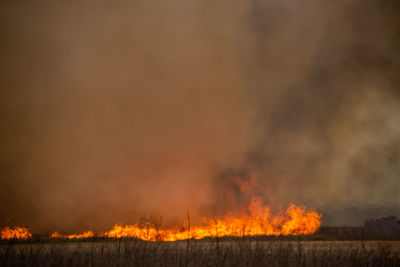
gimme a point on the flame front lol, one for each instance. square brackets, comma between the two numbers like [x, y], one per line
[16, 233]
[295, 221]
[87, 234]
[258, 221]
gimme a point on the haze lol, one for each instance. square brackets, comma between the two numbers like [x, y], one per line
[111, 111]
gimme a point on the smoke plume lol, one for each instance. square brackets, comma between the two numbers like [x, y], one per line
[112, 111]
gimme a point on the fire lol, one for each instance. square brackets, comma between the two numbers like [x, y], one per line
[16, 233]
[259, 220]
[87, 234]
[295, 221]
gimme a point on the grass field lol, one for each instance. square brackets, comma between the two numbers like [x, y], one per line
[209, 252]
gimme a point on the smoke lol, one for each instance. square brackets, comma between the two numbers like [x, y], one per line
[328, 104]
[113, 111]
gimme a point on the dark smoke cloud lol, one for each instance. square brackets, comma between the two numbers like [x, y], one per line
[327, 90]
[113, 111]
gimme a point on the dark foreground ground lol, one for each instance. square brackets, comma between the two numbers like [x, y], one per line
[210, 252]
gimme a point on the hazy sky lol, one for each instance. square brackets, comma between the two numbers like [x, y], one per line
[114, 110]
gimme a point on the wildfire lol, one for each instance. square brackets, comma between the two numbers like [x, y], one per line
[87, 234]
[16, 233]
[295, 220]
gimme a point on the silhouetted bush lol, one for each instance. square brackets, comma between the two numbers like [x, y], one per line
[384, 227]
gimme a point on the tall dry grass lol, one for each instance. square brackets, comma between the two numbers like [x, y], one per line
[211, 252]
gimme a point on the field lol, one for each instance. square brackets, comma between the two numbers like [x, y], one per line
[206, 252]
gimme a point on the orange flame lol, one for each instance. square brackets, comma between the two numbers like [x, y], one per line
[295, 221]
[16, 233]
[87, 234]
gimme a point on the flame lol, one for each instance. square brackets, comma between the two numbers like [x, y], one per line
[57, 235]
[16, 233]
[295, 221]
[87, 234]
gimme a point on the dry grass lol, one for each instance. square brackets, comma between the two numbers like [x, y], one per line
[214, 252]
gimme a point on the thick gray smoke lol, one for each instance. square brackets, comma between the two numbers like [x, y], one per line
[115, 110]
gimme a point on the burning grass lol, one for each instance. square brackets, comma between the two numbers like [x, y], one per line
[258, 221]
[15, 233]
